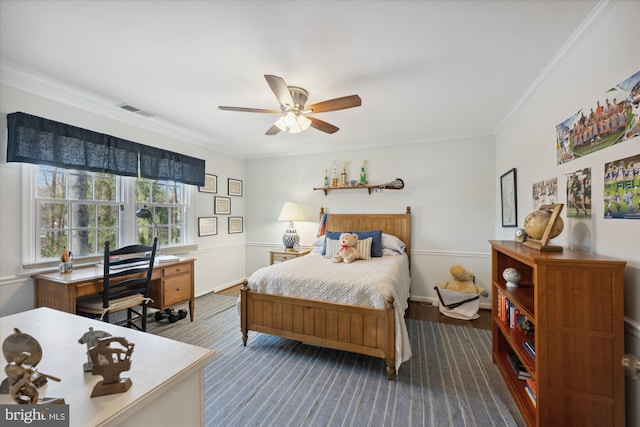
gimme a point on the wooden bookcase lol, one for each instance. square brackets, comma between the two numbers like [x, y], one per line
[575, 300]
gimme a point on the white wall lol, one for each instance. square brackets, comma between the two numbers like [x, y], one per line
[219, 259]
[604, 55]
[448, 184]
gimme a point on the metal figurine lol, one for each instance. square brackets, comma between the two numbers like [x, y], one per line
[91, 339]
[23, 353]
[20, 375]
[109, 361]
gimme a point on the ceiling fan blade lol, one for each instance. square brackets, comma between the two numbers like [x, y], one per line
[273, 130]
[280, 89]
[248, 110]
[335, 104]
[322, 125]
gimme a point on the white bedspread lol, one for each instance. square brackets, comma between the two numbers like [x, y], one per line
[364, 283]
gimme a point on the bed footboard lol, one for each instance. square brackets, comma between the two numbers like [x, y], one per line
[363, 330]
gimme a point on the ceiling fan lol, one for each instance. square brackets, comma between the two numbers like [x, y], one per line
[294, 114]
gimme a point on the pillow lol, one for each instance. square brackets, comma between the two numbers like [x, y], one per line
[318, 245]
[331, 247]
[363, 246]
[333, 235]
[376, 243]
[393, 243]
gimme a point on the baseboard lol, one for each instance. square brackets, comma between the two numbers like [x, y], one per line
[223, 287]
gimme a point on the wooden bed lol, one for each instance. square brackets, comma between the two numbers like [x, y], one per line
[363, 330]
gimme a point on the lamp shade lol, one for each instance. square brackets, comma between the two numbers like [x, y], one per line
[144, 213]
[290, 212]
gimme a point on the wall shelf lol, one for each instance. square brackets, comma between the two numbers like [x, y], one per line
[396, 184]
[356, 187]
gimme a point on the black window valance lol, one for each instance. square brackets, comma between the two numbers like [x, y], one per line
[33, 139]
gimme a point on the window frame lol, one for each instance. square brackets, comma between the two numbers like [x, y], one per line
[125, 188]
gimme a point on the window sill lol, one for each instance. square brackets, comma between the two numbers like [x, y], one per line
[43, 267]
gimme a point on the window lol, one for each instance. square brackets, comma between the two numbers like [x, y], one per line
[163, 199]
[79, 210]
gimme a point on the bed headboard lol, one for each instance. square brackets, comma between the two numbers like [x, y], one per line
[397, 224]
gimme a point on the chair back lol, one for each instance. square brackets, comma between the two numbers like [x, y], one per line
[127, 271]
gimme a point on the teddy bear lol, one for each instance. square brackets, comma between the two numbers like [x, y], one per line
[347, 251]
[464, 282]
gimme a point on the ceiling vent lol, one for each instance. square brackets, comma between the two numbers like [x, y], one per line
[134, 110]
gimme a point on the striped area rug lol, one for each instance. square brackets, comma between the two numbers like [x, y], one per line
[449, 381]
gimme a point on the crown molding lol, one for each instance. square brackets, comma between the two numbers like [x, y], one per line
[47, 87]
[600, 10]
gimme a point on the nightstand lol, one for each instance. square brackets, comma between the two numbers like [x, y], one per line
[281, 255]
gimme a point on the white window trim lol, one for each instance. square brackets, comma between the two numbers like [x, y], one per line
[28, 209]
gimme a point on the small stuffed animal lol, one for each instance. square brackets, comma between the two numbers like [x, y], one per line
[347, 251]
[464, 282]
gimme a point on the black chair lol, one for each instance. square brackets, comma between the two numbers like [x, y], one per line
[127, 279]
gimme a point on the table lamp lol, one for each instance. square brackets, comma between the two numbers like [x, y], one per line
[290, 212]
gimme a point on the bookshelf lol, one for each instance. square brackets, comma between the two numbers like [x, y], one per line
[575, 302]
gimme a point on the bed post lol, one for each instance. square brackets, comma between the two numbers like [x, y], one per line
[390, 351]
[244, 289]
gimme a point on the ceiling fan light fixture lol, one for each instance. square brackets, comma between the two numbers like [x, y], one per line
[304, 122]
[290, 119]
[292, 122]
[280, 123]
[295, 128]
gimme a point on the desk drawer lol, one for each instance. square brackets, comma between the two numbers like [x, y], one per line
[177, 289]
[89, 288]
[176, 269]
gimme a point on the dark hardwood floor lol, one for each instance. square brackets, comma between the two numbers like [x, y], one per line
[418, 311]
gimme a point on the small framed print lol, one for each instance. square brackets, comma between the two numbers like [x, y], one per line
[236, 224]
[509, 199]
[210, 184]
[234, 187]
[222, 205]
[207, 226]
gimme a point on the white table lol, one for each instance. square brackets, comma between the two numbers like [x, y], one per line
[167, 375]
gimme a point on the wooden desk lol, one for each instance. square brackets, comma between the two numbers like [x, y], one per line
[167, 375]
[171, 283]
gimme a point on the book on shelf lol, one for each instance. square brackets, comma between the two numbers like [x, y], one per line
[530, 347]
[517, 366]
[510, 316]
[532, 385]
[531, 394]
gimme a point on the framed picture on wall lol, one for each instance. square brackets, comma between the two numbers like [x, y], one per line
[508, 199]
[222, 205]
[234, 187]
[207, 226]
[235, 224]
[210, 184]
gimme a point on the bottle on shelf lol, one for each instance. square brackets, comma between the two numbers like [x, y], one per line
[326, 178]
[363, 174]
[334, 179]
[343, 175]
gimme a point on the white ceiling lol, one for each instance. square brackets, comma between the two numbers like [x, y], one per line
[425, 70]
